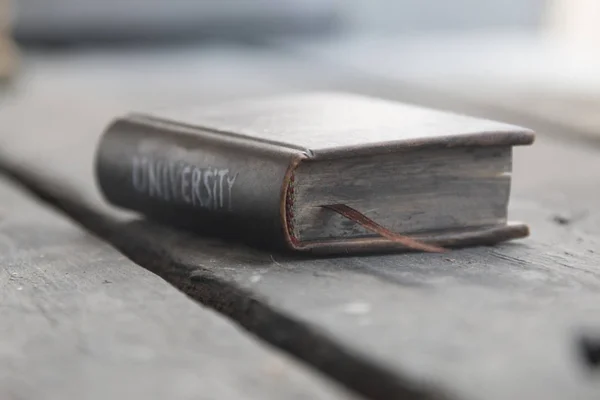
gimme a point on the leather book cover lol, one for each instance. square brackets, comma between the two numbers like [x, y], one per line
[229, 170]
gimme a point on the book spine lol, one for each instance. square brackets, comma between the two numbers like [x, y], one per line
[211, 183]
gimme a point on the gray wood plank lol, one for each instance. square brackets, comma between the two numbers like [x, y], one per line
[79, 320]
[495, 323]
[72, 127]
[492, 323]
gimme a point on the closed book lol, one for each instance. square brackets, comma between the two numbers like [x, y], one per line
[321, 172]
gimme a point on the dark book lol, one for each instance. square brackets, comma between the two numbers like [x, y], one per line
[322, 172]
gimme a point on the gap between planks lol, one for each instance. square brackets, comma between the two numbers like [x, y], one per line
[298, 339]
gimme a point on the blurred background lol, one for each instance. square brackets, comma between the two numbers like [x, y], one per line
[68, 67]
[510, 59]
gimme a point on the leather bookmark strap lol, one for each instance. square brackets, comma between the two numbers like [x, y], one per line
[373, 226]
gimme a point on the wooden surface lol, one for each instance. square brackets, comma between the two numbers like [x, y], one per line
[79, 320]
[497, 322]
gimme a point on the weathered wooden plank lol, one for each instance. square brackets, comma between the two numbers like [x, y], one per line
[492, 323]
[496, 322]
[72, 128]
[79, 320]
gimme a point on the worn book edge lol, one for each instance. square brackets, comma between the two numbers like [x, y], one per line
[445, 239]
[296, 155]
[515, 136]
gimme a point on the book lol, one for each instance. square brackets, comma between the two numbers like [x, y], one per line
[320, 172]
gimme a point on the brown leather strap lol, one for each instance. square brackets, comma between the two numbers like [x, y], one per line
[373, 226]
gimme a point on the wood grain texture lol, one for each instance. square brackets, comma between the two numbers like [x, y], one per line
[476, 322]
[79, 320]
[492, 323]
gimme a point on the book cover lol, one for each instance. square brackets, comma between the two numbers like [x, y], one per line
[322, 172]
